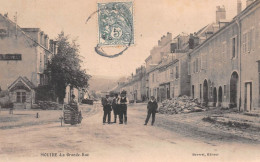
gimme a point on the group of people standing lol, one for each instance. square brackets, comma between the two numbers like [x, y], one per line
[119, 106]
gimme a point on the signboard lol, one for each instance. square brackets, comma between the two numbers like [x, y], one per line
[10, 57]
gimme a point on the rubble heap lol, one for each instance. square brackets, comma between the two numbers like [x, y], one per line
[183, 104]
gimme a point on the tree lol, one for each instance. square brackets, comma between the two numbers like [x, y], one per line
[65, 67]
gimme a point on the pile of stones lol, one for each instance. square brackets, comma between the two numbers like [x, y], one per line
[182, 104]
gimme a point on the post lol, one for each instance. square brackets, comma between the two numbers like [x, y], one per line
[61, 118]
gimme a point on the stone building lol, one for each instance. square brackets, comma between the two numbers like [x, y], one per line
[135, 86]
[170, 77]
[225, 67]
[24, 53]
[153, 60]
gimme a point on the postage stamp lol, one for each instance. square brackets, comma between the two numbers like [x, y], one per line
[115, 21]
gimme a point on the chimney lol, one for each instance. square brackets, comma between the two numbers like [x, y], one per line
[220, 13]
[249, 2]
[159, 43]
[239, 6]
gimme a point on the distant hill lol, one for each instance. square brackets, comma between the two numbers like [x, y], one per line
[103, 83]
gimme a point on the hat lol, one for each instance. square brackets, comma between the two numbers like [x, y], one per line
[123, 92]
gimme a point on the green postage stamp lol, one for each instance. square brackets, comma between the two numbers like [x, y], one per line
[115, 21]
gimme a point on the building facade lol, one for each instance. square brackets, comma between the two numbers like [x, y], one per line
[25, 53]
[225, 67]
[135, 86]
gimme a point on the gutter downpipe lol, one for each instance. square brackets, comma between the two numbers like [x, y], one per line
[239, 53]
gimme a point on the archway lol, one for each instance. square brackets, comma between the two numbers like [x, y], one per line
[220, 96]
[205, 93]
[214, 96]
[233, 89]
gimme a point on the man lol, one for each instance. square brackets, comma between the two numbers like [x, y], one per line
[123, 101]
[73, 103]
[115, 106]
[151, 109]
[107, 109]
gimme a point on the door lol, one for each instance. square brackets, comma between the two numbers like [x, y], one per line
[248, 96]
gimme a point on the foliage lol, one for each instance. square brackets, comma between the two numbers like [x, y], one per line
[44, 93]
[5, 102]
[4, 93]
[65, 67]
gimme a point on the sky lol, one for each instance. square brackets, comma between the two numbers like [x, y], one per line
[152, 20]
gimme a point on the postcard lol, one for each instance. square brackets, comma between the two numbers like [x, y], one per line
[129, 80]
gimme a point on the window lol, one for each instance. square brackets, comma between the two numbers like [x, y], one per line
[224, 51]
[177, 72]
[171, 73]
[197, 64]
[253, 39]
[244, 43]
[200, 91]
[225, 90]
[153, 78]
[20, 97]
[194, 67]
[233, 47]
[203, 61]
[249, 41]
[188, 68]
[210, 91]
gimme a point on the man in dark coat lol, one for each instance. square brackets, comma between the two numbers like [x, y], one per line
[123, 101]
[107, 109]
[151, 109]
[115, 106]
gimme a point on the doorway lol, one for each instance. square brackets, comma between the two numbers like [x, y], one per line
[220, 96]
[192, 91]
[214, 96]
[205, 93]
[248, 96]
[233, 89]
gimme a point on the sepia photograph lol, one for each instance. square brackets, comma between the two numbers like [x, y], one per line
[129, 80]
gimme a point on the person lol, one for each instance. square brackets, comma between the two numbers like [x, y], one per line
[151, 109]
[73, 100]
[11, 111]
[73, 103]
[123, 101]
[107, 109]
[115, 106]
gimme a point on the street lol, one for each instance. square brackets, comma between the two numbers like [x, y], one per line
[181, 137]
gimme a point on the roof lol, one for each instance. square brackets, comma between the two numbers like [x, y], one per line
[22, 82]
[228, 25]
[26, 35]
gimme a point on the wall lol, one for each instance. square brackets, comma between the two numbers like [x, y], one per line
[250, 54]
[217, 63]
[10, 44]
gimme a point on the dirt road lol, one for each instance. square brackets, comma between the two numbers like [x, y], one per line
[173, 138]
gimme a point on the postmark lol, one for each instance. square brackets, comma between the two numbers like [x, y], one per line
[115, 22]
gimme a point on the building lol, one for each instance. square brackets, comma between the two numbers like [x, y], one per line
[24, 55]
[225, 67]
[22, 93]
[135, 86]
[152, 61]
